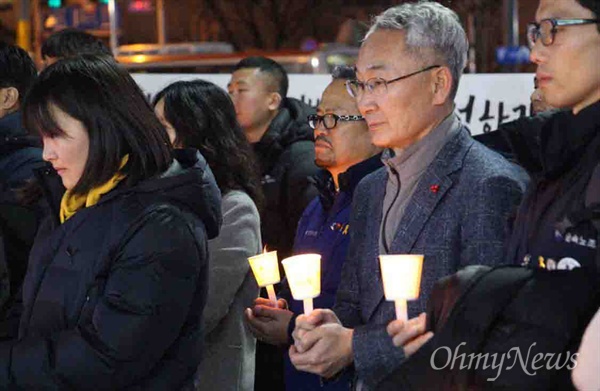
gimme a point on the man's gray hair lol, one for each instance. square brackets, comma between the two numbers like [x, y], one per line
[428, 26]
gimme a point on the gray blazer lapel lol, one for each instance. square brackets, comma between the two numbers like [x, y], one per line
[430, 191]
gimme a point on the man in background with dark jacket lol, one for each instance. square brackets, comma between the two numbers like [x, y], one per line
[19, 156]
[278, 130]
[17, 72]
[276, 127]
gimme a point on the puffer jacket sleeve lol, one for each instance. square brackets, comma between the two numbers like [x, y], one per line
[128, 327]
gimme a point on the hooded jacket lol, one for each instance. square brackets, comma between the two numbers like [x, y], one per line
[113, 297]
[286, 156]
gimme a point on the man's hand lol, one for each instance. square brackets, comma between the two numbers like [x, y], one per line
[409, 335]
[322, 345]
[307, 323]
[267, 323]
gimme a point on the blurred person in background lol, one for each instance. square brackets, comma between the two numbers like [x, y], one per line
[71, 42]
[17, 73]
[20, 155]
[198, 114]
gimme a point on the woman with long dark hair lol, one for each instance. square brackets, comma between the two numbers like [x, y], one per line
[198, 114]
[116, 282]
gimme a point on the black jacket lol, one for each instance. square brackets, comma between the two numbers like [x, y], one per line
[519, 137]
[554, 220]
[490, 323]
[113, 297]
[20, 155]
[286, 156]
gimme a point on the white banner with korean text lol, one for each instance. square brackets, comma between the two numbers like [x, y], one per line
[483, 101]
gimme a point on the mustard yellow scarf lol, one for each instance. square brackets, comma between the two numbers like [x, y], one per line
[71, 203]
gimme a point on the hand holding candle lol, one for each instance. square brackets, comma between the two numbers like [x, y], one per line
[266, 271]
[401, 276]
[303, 273]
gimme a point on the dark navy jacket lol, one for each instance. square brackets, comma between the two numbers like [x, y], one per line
[324, 229]
[18, 153]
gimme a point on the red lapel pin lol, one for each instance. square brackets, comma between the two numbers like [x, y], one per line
[434, 188]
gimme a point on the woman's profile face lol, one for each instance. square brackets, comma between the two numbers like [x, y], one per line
[68, 152]
[567, 70]
[159, 110]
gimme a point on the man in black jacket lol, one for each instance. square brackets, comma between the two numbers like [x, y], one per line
[278, 130]
[17, 72]
[19, 156]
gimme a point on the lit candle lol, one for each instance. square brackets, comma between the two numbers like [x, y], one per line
[401, 274]
[303, 273]
[266, 271]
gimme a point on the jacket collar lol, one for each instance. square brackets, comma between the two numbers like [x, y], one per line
[347, 180]
[565, 139]
[288, 126]
[559, 143]
[11, 126]
[414, 159]
[431, 189]
[188, 182]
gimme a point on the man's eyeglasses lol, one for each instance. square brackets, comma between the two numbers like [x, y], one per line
[377, 85]
[330, 121]
[547, 28]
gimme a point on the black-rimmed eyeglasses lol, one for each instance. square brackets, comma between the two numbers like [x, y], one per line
[330, 121]
[377, 85]
[547, 28]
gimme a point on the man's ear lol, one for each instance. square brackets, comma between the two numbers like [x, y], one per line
[441, 85]
[9, 99]
[274, 101]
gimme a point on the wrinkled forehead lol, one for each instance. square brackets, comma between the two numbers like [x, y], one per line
[383, 50]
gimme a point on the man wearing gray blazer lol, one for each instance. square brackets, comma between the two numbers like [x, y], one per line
[440, 194]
